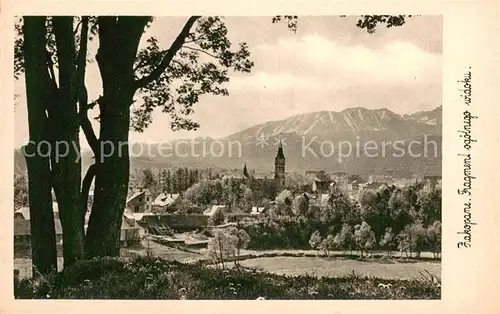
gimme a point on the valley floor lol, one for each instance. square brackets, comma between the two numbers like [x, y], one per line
[289, 262]
[339, 267]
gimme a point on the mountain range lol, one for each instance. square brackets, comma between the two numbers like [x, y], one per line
[379, 140]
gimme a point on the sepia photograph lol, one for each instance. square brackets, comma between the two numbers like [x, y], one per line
[228, 158]
[233, 157]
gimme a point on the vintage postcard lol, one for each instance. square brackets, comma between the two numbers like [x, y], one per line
[166, 156]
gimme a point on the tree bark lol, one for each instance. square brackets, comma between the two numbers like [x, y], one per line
[111, 185]
[118, 43]
[67, 164]
[38, 87]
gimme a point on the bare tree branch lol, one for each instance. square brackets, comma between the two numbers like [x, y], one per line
[85, 124]
[140, 64]
[77, 27]
[195, 40]
[176, 45]
[200, 50]
[81, 63]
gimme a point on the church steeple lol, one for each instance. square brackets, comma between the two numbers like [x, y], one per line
[245, 171]
[280, 151]
[279, 168]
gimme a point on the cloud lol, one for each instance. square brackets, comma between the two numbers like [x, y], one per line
[274, 82]
[314, 62]
[325, 67]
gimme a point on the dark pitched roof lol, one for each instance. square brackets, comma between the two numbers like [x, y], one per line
[322, 176]
[280, 151]
[24, 212]
[137, 194]
[165, 199]
[245, 171]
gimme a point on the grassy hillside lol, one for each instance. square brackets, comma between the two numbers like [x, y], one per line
[148, 278]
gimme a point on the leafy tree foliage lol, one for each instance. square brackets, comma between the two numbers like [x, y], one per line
[345, 239]
[328, 244]
[370, 22]
[204, 193]
[412, 239]
[227, 243]
[247, 199]
[434, 237]
[387, 241]
[149, 180]
[221, 247]
[297, 182]
[429, 203]
[218, 191]
[315, 240]
[20, 191]
[217, 217]
[199, 67]
[242, 239]
[339, 209]
[300, 205]
[364, 237]
[284, 198]
[374, 208]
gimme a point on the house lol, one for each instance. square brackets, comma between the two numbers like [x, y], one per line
[341, 179]
[211, 210]
[24, 212]
[321, 183]
[22, 232]
[257, 210]
[432, 178]
[130, 232]
[140, 201]
[311, 174]
[165, 201]
[371, 186]
[263, 185]
[381, 179]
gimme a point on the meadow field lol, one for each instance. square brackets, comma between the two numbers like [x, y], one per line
[340, 267]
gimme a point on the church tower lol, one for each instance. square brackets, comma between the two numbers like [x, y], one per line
[245, 171]
[279, 169]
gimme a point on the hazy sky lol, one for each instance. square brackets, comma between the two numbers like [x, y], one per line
[329, 64]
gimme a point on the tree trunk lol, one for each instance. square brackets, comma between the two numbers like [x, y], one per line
[67, 165]
[43, 238]
[118, 43]
[111, 185]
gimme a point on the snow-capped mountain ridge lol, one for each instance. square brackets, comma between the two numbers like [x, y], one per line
[351, 120]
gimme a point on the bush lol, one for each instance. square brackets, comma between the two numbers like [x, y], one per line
[327, 244]
[315, 240]
[364, 237]
[217, 218]
[412, 239]
[387, 241]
